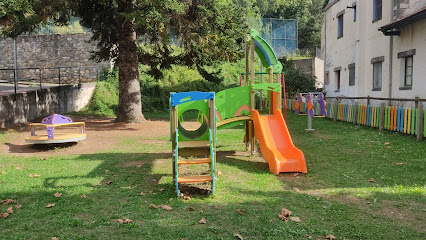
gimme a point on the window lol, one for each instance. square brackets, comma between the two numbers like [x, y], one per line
[326, 80]
[408, 76]
[377, 76]
[351, 68]
[337, 76]
[340, 26]
[377, 10]
[354, 6]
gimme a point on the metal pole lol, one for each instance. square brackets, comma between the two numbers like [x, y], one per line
[59, 76]
[40, 79]
[79, 75]
[15, 63]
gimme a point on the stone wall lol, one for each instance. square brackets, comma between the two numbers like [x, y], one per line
[46, 53]
[27, 106]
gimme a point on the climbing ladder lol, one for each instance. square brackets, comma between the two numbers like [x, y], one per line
[199, 145]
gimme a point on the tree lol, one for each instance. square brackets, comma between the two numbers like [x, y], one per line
[209, 31]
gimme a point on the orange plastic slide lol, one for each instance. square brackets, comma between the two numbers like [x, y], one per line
[276, 144]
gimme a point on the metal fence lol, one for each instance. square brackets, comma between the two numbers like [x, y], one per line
[47, 76]
[281, 34]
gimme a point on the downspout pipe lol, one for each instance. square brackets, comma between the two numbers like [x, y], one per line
[391, 55]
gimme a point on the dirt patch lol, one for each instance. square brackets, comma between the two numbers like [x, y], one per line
[102, 134]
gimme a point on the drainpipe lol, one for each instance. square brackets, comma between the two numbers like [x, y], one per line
[391, 55]
[325, 49]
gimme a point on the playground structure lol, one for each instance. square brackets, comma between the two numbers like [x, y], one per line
[313, 104]
[50, 123]
[229, 108]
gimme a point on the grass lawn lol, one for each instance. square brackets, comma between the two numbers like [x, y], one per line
[335, 197]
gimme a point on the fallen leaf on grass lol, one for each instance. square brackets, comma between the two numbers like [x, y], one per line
[238, 236]
[143, 194]
[109, 182]
[54, 238]
[219, 173]
[296, 189]
[15, 156]
[387, 146]
[308, 236]
[271, 220]
[285, 212]
[139, 165]
[186, 197]
[50, 205]
[386, 143]
[10, 210]
[4, 215]
[119, 221]
[7, 201]
[83, 196]
[18, 168]
[170, 199]
[216, 206]
[202, 221]
[161, 189]
[296, 174]
[370, 145]
[57, 194]
[295, 219]
[371, 180]
[330, 237]
[241, 211]
[18, 206]
[33, 175]
[190, 209]
[127, 220]
[107, 171]
[282, 217]
[2, 172]
[151, 192]
[42, 159]
[154, 206]
[2, 181]
[400, 163]
[166, 207]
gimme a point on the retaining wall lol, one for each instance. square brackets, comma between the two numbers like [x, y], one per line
[27, 106]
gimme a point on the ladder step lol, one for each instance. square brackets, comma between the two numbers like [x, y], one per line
[194, 179]
[194, 161]
[194, 144]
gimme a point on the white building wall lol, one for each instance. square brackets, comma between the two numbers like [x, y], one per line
[412, 37]
[362, 41]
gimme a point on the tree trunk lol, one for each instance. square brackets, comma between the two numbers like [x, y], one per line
[129, 103]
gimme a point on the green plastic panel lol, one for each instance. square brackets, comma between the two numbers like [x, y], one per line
[276, 87]
[233, 102]
[202, 133]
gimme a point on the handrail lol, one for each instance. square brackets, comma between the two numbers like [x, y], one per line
[212, 158]
[176, 162]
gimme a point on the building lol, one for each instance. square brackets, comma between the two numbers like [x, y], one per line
[375, 48]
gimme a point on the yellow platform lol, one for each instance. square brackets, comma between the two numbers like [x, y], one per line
[59, 138]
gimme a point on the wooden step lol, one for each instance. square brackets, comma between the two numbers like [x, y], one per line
[194, 148]
[194, 179]
[194, 161]
[194, 144]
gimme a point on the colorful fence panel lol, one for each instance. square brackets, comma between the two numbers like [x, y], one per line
[397, 119]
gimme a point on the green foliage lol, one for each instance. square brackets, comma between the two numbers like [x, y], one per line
[296, 80]
[105, 98]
